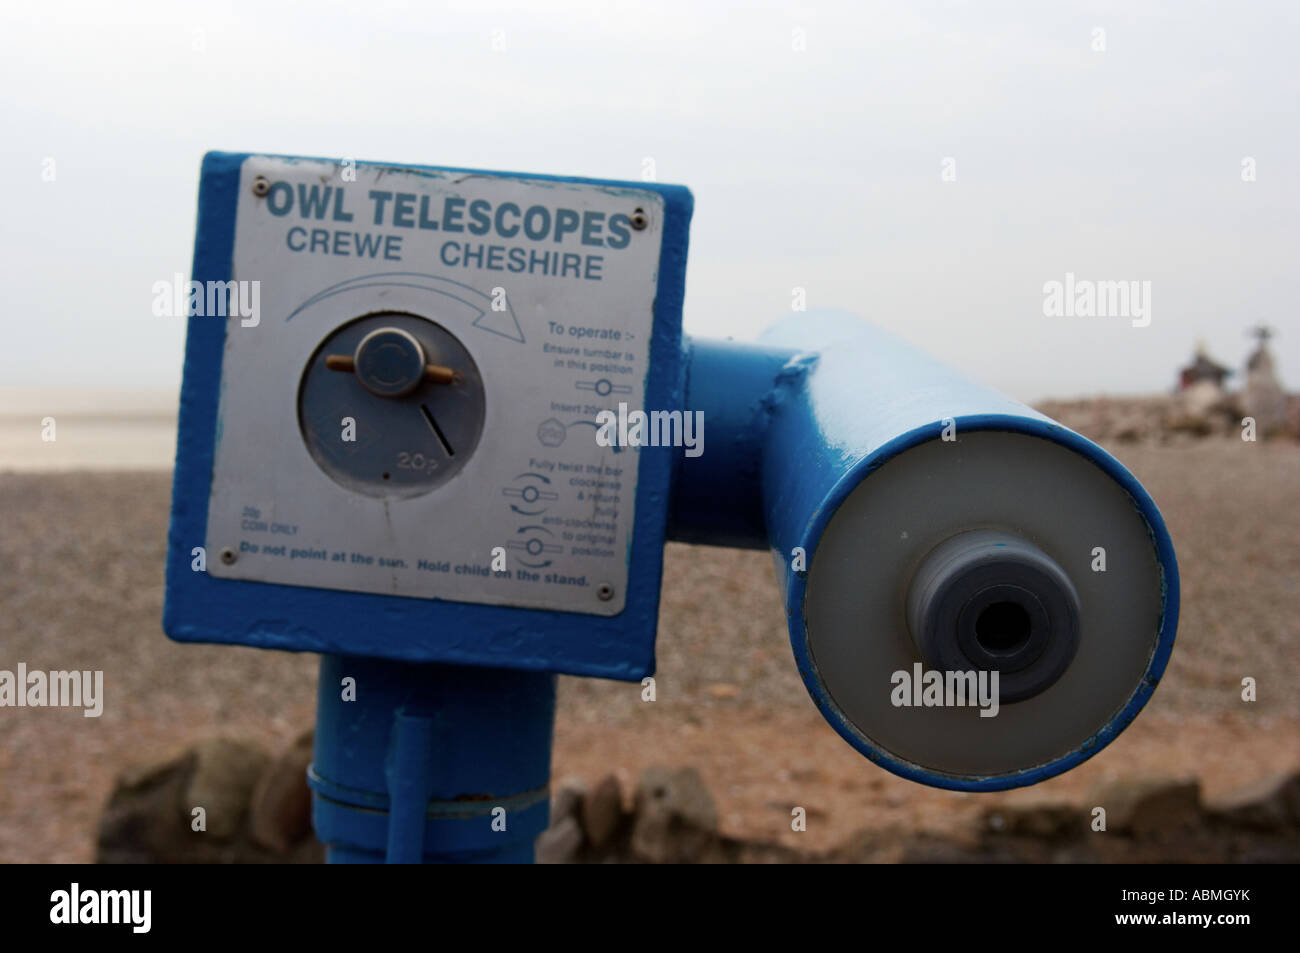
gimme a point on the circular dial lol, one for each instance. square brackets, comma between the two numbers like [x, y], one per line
[389, 362]
[391, 405]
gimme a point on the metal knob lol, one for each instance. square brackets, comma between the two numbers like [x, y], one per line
[389, 362]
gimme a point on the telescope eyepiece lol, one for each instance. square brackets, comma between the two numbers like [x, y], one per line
[985, 600]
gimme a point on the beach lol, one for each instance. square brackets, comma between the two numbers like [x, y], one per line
[81, 586]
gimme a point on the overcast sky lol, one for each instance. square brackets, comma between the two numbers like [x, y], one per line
[813, 137]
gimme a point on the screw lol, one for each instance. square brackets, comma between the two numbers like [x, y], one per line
[261, 185]
[604, 592]
[640, 219]
[228, 556]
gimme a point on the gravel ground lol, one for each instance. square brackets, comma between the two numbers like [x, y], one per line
[81, 559]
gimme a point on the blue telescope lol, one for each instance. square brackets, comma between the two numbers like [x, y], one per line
[405, 462]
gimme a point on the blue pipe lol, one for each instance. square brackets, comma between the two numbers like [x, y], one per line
[718, 495]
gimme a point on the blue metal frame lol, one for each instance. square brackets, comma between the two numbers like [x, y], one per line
[199, 608]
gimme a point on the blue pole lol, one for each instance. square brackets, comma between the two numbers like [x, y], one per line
[430, 763]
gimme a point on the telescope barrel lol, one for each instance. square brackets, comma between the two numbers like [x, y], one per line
[978, 598]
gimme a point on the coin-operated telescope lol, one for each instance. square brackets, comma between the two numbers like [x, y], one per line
[437, 425]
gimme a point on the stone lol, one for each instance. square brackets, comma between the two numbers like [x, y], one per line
[225, 773]
[559, 844]
[280, 810]
[140, 824]
[676, 819]
[1145, 806]
[602, 811]
[1271, 803]
[567, 798]
[148, 816]
[1048, 820]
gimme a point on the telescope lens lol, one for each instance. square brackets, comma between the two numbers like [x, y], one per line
[1002, 628]
[991, 601]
